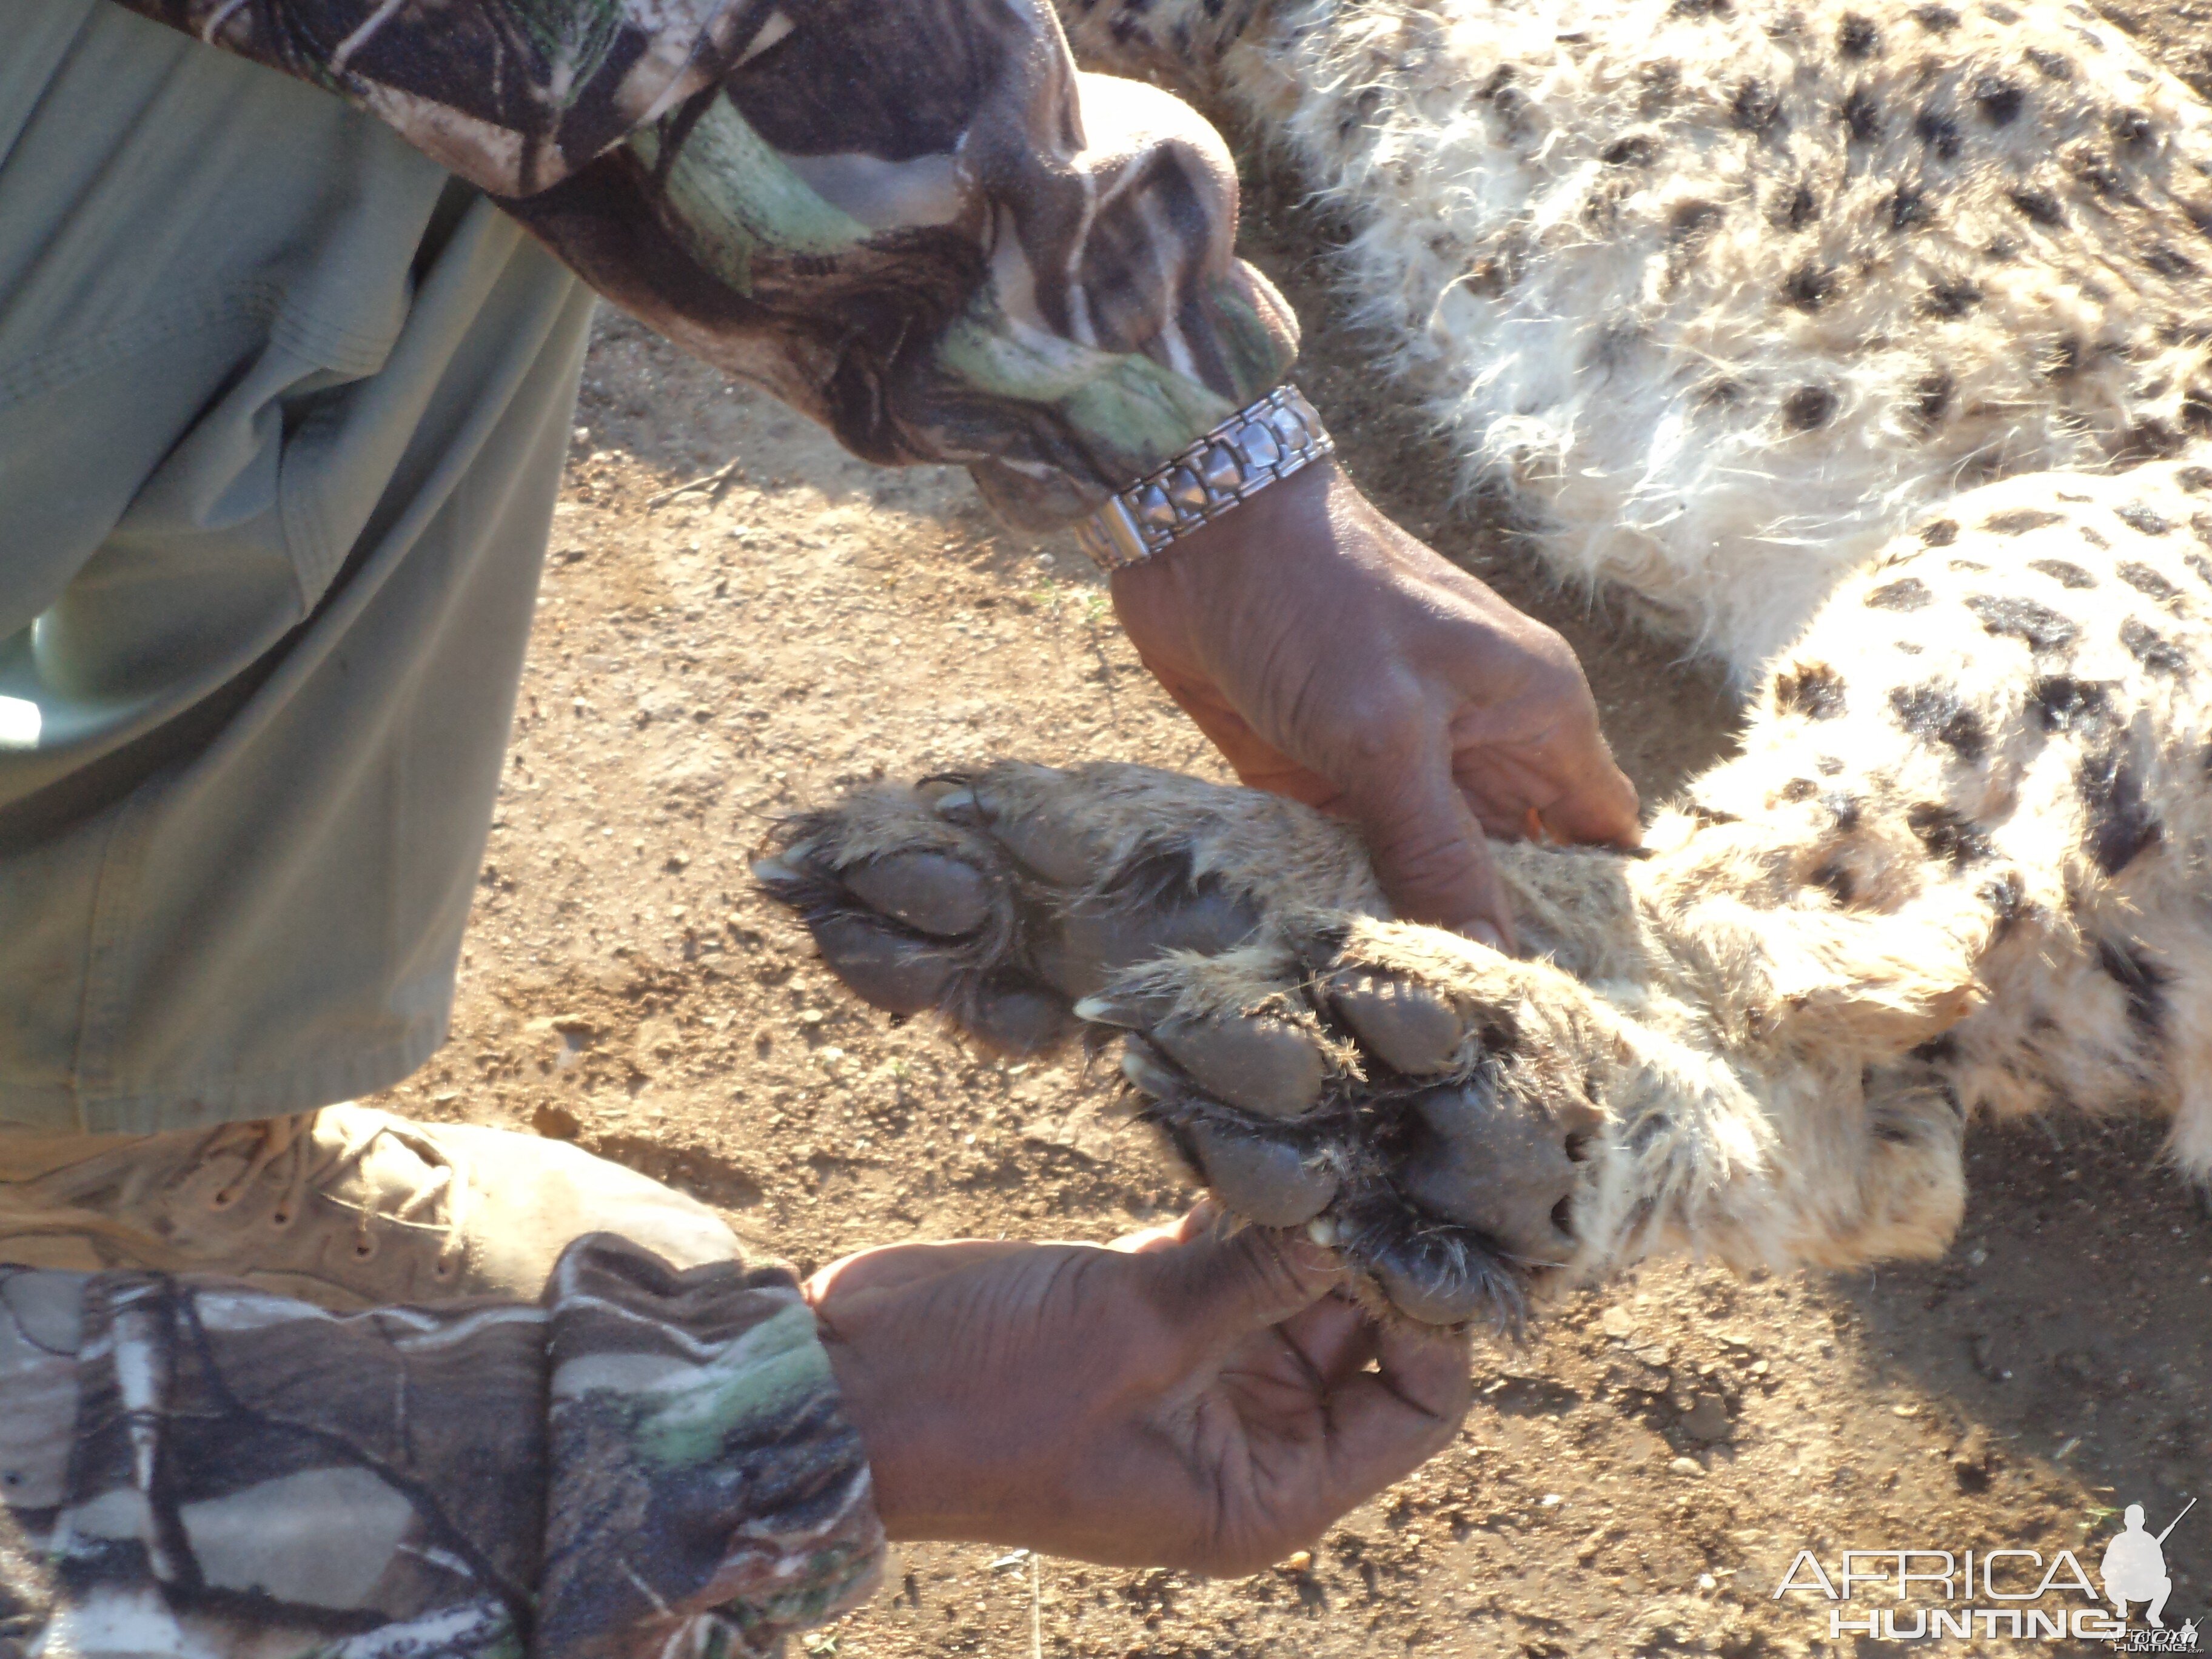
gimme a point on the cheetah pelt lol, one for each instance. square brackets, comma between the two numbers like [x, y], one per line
[1724, 293]
[1958, 866]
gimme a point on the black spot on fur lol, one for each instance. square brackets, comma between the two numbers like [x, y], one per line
[2061, 359]
[1941, 533]
[1808, 408]
[2194, 479]
[1858, 37]
[1938, 128]
[1847, 809]
[2089, 535]
[2152, 649]
[1936, 19]
[1908, 207]
[1634, 151]
[1810, 286]
[2121, 823]
[2138, 516]
[1934, 714]
[1708, 816]
[2147, 581]
[2065, 574]
[2094, 168]
[2053, 65]
[1937, 1050]
[1757, 108]
[2042, 628]
[1813, 690]
[1975, 565]
[2202, 523]
[2130, 128]
[2040, 205]
[1931, 398]
[1952, 296]
[1799, 208]
[1911, 594]
[1827, 766]
[2168, 262]
[1947, 834]
[2201, 565]
[1861, 115]
[2008, 896]
[2142, 981]
[1798, 789]
[1838, 882]
[2000, 101]
[2062, 703]
[1692, 222]
[2021, 519]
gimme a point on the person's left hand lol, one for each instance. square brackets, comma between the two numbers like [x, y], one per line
[1333, 657]
[1178, 1400]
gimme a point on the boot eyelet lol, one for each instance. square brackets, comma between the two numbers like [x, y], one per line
[442, 1269]
[363, 1248]
[280, 1219]
[223, 1198]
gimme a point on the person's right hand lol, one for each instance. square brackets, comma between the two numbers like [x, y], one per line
[1178, 1400]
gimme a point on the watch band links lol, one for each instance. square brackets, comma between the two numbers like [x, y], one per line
[1258, 446]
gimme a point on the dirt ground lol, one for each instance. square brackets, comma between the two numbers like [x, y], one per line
[1637, 1479]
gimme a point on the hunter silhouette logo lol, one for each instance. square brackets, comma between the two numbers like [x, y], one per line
[2134, 1566]
[1928, 1594]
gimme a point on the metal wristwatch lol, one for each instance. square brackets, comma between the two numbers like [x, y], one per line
[1259, 445]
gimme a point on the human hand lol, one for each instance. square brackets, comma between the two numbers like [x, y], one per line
[1335, 658]
[1178, 1398]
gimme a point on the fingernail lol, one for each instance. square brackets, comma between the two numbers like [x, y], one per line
[1483, 934]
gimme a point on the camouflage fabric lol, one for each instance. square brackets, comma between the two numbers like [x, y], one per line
[912, 219]
[651, 1462]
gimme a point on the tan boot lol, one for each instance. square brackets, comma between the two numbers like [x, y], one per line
[346, 1207]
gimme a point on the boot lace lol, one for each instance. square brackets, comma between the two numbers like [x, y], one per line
[289, 1149]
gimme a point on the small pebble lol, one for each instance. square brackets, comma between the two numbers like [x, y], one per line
[1685, 1466]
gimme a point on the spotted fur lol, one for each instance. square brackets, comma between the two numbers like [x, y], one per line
[1725, 292]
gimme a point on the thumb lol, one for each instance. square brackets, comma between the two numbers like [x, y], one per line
[1218, 1290]
[1429, 851]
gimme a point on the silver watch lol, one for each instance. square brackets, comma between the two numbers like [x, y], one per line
[1255, 447]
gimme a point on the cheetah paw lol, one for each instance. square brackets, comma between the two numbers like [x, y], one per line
[1000, 898]
[1385, 1086]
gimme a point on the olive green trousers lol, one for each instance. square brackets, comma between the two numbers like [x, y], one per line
[283, 411]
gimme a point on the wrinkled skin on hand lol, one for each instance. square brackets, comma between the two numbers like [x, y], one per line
[1184, 1398]
[1333, 657]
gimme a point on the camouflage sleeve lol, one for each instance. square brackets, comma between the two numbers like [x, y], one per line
[650, 1463]
[912, 219]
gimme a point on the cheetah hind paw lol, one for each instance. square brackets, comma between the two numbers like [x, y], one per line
[1000, 897]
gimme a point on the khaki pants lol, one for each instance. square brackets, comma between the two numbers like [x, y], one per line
[281, 416]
